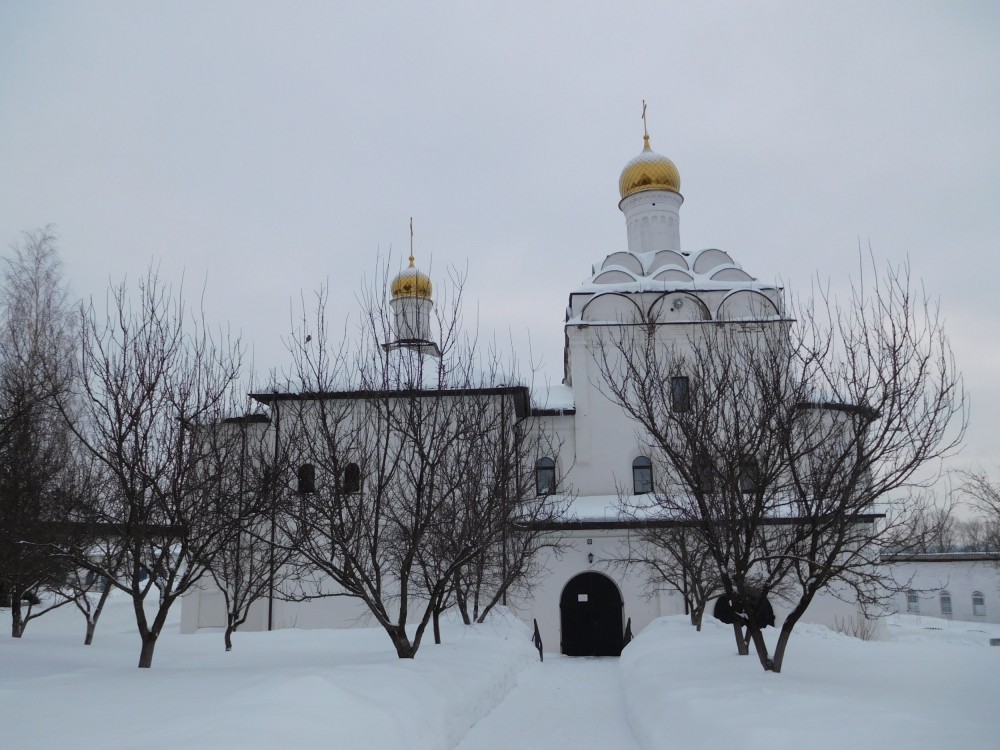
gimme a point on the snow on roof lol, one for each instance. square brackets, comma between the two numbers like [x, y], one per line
[553, 398]
[707, 269]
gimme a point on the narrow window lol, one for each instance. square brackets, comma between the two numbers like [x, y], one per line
[706, 475]
[307, 479]
[946, 603]
[978, 603]
[642, 475]
[912, 602]
[749, 475]
[352, 479]
[680, 393]
[545, 476]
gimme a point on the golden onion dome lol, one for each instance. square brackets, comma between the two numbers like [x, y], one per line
[411, 283]
[649, 171]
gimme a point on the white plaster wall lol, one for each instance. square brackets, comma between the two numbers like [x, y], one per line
[652, 220]
[543, 602]
[960, 578]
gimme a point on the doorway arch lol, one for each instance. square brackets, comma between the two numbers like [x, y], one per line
[590, 613]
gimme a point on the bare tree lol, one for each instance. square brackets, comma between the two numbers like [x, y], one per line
[674, 558]
[245, 462]
[498, 511]
[983, 493]
[151, 375]
[895, 407]
[795, 450]
[35, 478]
[393, 484]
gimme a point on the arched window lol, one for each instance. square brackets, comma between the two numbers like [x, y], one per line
[912, 602]
[352, 479]
[307, 479]
[642, 475]
[545, 476]
[978, 603]
[945, 603]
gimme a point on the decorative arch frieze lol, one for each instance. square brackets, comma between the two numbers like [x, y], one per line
[611, 307]
[746, 304]
[678, 307]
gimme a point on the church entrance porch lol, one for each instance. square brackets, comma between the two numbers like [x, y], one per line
[590, 611]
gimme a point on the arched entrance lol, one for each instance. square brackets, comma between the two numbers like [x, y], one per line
[590, 611]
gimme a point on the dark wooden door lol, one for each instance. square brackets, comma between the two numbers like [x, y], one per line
[591, 613]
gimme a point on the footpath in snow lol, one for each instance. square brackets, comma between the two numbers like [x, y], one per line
[572, 702]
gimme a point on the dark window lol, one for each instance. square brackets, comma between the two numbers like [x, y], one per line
[307, 479]
[352, 479]
[680, 394]
[545, 476]
[706, 475]
[642, 475]
[749, 475]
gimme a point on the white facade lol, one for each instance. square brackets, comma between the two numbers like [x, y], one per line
[950, 586]
[654, 278]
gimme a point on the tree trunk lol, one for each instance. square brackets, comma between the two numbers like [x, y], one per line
[761, 646]
[779, 650]
[16, 620]
[146, 655]
[786, 633]
[741, 644]
[92, 619]
[404, 649]
[463, 605]
[697, 613]
[437, 627]
[229, 637]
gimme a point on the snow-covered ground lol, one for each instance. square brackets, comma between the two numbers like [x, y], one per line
[565, 702]
[287, 689]
[932, 685]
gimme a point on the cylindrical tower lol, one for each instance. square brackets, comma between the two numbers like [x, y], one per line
[412, 304]
[650, 187]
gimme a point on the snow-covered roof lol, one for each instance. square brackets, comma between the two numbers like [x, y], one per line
[553, 399]
[672, 287]
[655, 271]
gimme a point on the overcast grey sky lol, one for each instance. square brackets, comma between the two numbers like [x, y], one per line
[262, 148]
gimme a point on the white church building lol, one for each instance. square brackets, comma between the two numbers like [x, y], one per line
[600, 452]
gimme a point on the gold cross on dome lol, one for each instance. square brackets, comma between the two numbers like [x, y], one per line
[411, 242]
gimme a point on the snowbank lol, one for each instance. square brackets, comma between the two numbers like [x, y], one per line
[921, 689]
[315, 688]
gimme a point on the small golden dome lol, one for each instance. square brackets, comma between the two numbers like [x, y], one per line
[649, 171]
[411, 283]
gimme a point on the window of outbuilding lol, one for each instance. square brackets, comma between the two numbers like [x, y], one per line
[945, 598]
[912, 602]
[307, 479]
[978, 603]
[642, 475]
[545, 476]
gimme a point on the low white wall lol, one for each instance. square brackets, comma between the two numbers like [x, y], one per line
[204, 608]
[928, 577]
